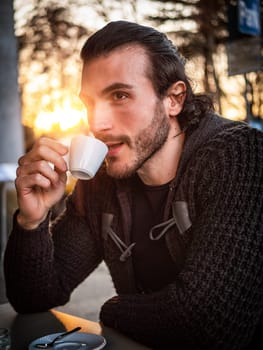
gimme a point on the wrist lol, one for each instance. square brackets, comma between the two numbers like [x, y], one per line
[28, 224]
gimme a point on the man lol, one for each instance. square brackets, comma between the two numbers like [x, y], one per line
[176, 212]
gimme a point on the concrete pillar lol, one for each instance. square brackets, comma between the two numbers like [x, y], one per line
[11, 131]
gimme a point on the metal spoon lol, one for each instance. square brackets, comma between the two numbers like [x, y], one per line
[71, 345]
[62, 335]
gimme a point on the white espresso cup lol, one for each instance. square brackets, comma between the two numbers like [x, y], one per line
[86, 154]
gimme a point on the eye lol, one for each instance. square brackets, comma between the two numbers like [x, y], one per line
[119, 95]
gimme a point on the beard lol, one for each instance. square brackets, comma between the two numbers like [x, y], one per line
[145, 144]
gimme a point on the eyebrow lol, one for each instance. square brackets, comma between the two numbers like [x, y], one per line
[108, 89]
[116, 86]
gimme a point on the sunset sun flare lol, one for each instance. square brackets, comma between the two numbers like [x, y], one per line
[62, 118]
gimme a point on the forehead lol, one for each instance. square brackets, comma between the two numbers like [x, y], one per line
[132, 50]
[125, 62]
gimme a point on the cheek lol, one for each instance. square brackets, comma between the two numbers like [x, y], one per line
[138, 114]
[130, 117]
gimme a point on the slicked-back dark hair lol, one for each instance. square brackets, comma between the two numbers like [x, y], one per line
[167, 64]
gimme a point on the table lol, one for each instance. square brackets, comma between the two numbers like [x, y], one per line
[26, 328]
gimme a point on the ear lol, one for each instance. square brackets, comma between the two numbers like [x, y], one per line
[175, 97]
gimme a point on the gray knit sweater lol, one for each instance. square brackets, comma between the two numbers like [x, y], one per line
[216, 299]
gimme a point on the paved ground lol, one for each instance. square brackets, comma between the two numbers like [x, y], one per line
[90, 295]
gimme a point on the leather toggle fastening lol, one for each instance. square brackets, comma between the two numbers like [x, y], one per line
[180, 218]
[107, 231]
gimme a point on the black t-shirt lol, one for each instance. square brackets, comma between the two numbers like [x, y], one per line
[152, 262]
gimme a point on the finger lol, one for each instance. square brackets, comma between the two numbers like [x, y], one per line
[46, 149]
[39, 167]
[62, 177]
[55, 145]
[25, 184]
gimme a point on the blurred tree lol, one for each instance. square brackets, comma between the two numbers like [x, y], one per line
[209, 32]
[49, 44]
[107, 10]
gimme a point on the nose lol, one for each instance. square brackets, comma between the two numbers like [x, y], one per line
[99, 118]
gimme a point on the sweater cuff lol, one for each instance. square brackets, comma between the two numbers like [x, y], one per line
[43, 227]
[108, 313]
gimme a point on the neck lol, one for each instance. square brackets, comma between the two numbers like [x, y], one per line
[162, 167]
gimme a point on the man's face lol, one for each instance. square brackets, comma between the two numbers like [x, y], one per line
[123, 109]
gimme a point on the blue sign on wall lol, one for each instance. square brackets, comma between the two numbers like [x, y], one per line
[249, 16]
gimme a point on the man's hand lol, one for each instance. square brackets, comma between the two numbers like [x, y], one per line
[39, 184]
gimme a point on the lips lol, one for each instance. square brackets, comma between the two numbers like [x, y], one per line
[114, 148]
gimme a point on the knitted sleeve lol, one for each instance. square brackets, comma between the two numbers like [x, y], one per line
[217, 299]
[43, 266]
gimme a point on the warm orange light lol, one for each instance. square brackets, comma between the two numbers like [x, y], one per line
[62, 118]
[232, 113]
